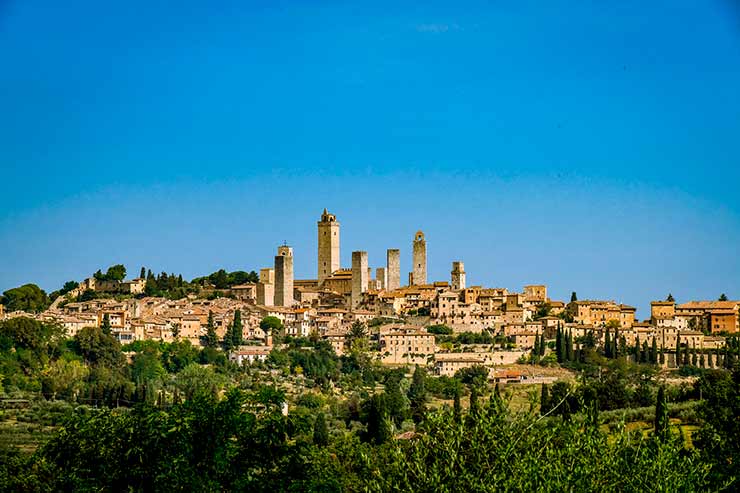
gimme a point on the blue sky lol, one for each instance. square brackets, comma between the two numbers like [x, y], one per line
[592, 146]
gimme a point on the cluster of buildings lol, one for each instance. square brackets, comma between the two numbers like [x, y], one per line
[328, 305]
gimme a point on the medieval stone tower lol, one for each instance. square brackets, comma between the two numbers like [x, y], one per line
[359, 277]
[419, 272]
[266, 287]
[284, 276]
[328, 246]
[393, 269]
[458, 275]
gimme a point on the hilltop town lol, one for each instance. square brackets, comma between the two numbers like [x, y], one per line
[403, 318]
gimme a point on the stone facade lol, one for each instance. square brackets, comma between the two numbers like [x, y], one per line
[380, 277]
[266, 287]
[419, 271]
[328, 228]
[284, 276]
[359, 277]
[458, 275]
[393, 269]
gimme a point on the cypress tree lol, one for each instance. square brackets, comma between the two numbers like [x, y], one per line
[418, 395]
[211, 337]
[608, 344]
[543, 344]
[661, 415]
[678, 351]
[320, 431]
[694, 356]
[236, 333]
[456, 408]
[645, 353]
[544, 400]
[559, 344]
[142, 273]
[569, 346]
[473, 409]
[718, 358]
[616, 349]
[654, 352]
[701, 360]
[105, 325]
[686, 355]
[496, 404]
[378, 424]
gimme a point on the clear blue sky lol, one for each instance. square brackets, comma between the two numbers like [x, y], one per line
[590, 145]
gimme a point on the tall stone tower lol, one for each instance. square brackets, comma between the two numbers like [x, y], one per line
[328, 246]
[266, 287]
[420, 259]
[458, 275]
[381, 278]
[284, 276]
[359, 277]
[393, 269]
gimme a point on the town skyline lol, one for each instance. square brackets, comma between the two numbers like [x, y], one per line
[306, 261]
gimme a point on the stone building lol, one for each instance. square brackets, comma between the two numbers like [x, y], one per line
[328, 229]
[381, 278]
[535, 293]
[458, 275]
[393, 269]
[359, 276]
[284, 276]
[266, 287]
[339, 282]
[419, 271]
[406, 345]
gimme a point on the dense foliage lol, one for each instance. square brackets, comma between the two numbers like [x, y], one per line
[29, 298]
[154, 416]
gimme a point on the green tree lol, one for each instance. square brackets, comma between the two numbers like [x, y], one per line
[456, 407]
[29, 298]
[115, 273]
[357, 332]
[142, 273]
[544, 399]
[320, 431]
[474, 409]
[573, 297]
[559, 345]
[661, 415]
[98, 348]
[378, 423]
[396, 403]
[64, 378]
[670, 298]
[237, 328]
[723, 297]
[440, 329]
[418, 394]
[271, 326]
[211, 337]
[105, 324]
[196, 380]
